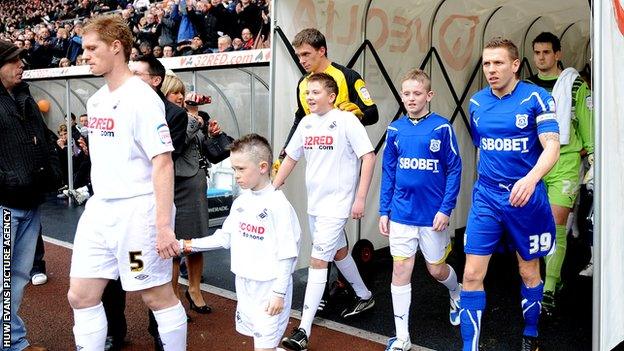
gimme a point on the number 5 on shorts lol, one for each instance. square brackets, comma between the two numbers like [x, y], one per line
[136, 262]
[541, 242]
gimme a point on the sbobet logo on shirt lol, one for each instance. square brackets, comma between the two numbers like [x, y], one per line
[505, 144]
[251, 231]
[422, 164]
[323, 142]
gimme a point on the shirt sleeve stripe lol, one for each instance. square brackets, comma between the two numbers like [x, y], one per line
[539, 100]
[450, 136]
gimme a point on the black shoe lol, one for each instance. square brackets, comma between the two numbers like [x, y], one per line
[548, 304]
[158, 345]
[205, 309]
[359, 305]
[297, 341]
[113, 343]
[529, 343]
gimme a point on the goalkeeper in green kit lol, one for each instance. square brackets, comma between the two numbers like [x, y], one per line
[574, 114]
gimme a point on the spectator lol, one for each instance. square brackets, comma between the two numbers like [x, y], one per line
[134, 54]
[157, 51]
[186, 31]
[64, 62]
[167, 51]
[248, 39]
[145, 48]
[75, 44]
[167, 26]
[206, 23]
[237, 44]
[224, 44]
[147, 33]
[33, 170]
[248, 16]
[59, 46]
[42, 51]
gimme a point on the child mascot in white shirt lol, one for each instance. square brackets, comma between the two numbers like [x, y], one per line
[262, 232]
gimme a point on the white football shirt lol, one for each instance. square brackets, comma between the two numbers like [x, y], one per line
[261, 229]
[332, 145]
[127, 128]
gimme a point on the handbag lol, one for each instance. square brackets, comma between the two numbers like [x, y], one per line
[217, 149]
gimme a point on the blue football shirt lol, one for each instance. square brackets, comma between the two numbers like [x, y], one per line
[506, 131]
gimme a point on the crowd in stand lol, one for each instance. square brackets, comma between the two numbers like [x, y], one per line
[51, 30]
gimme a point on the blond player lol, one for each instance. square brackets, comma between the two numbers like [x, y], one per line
[126, 229]
[262, 232]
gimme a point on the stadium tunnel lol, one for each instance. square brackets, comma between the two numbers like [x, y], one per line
[383, 39]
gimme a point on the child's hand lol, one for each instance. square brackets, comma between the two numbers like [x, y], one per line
[275, 306]
[357, 210]
[384, 225]
[440, 222]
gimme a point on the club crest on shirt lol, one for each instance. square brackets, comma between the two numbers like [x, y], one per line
[522, 120]
[332, 125]
[434, 146]
[262, 215]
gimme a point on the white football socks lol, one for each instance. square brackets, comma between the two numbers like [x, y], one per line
[172, 327]
[90, 328]
[349, 270]
[313, 294]
[401, 300]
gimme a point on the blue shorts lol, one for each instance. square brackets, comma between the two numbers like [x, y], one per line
[530, 229]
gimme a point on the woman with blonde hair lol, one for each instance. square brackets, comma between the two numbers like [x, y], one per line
[190, 191]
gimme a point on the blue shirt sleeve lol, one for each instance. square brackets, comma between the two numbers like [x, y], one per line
[544, 110]
[473, 122]
[388, 171]
[453, 171]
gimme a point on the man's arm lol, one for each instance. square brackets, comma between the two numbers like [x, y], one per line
[362, 105]
[584, 114]
[524, 188]
[162, 177]
[366, 175]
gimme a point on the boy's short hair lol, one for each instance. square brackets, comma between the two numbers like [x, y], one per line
[500, 42]
[328, 82]
[548, 37]
[111, 28]
[418, 75]
[255, 146]
[312, 37]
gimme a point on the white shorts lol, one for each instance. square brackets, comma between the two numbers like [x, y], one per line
[117, 238]
[328, 236]
[405, 240]
[252, 319]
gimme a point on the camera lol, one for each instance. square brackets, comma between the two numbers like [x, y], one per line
[201, 100]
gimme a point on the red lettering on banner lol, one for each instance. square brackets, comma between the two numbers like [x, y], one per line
[353, 26]
[619, 15]
[383, 18]
[458, 59]
[405, 34]
[305, 8]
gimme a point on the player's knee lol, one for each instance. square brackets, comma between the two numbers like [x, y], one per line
[473, 276]
[341, 253]
[438, 271]
[530, 275]
[78, 300]
[159, 297]
[401, 272]
[317, 264]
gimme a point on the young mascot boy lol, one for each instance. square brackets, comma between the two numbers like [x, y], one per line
[262, 233]
[332, 142]
[419, 187]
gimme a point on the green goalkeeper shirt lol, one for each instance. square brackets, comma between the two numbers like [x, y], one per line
[581, 125]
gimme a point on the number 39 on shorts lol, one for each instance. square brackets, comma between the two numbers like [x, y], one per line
[540, 242]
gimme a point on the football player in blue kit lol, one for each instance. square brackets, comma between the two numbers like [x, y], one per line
[515, 129]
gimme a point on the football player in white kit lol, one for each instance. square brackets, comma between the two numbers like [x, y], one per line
[126, 229]
[262, 232]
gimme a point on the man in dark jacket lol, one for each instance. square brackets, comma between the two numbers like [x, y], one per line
[152, 72]
[28, 168]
